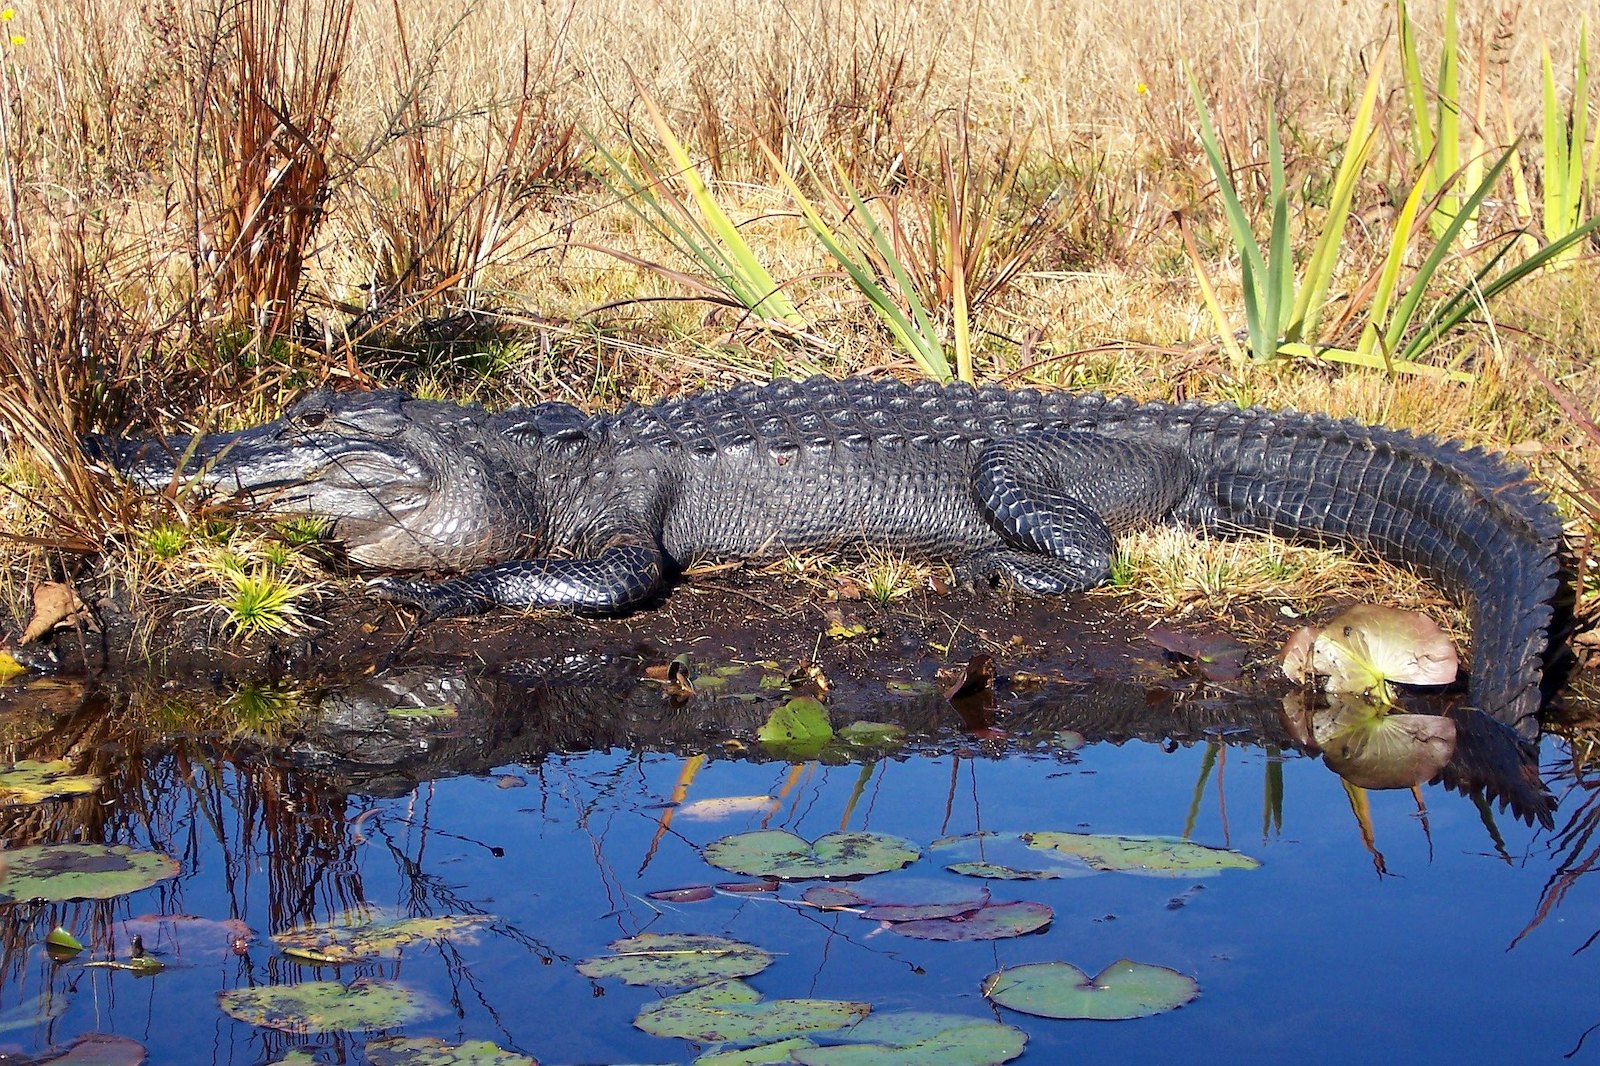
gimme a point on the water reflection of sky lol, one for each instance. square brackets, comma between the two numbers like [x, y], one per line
[1316, 957]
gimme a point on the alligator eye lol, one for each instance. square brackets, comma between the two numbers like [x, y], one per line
[313, 419]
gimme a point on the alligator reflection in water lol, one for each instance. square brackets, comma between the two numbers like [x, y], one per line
[297, 807]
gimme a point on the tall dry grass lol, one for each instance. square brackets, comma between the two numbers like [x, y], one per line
[215, 203]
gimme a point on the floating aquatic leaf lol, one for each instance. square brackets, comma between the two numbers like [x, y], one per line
[1150, 855]
[992, 921]
[1215, 656]
[799, 727]
[1373, 749]
[431, 1051]
[187, 936]
[733, 1011]
[62, 941]
[30, 781]
[1004, 856]
[1125, 989]
[99, 1049]
[325, 1006]
[780, 854]
[691, 894]
[1368, 646]
[921, 1036]
[58, 872]
[298, 1057]
[900, 899]
[338, 942]
[676, 960]
[871, 736]
[779, 1051]
[724, 807]
[442, 711]
[1068, 740]
[9, 666]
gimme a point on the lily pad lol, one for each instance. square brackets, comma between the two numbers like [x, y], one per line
[1373, 749]
[870, 736]
[1004, 857]
[1125, 989]
[1368, 646]
[676, 960]
[326, 1006]
[187, 936]
[336, 943]
[799, 727]
[31, 781]
[733, 1011]
[431, 1051]
[900, 900]
[761, 1055]
[57, 872]
[1151, 856]
[780, 854]
[99, 1049]
[993, 921]
[921, 1036]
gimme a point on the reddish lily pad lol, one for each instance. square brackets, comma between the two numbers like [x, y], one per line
[187, 936]
[992, 921]
[57, 872]
[1151, 856]
[902, 900]
[921, 1036]
[99, 1049]
[327, 1006]
[1215, 656]
[1123, 990]
[676, 960]
[780, 854]
[733, 1011]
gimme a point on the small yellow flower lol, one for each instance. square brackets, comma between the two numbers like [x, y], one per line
[7, 14]
[1141, 89]
[18, 39]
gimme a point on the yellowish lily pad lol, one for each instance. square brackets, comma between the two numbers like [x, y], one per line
[327, 1006]
[676, 960]
[335, 943]
[57, 872]
[31, 781]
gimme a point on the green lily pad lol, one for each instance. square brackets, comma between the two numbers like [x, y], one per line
[339, 942]
[733, 1011]
[799, 727]
[993, 921]
[58, 872]
[444, 711]
[921, 1036]
[1368, 646]
[1125, 989]
[780, 854]
[761, 1055]
[431, 1051]
[871, 736]
[900, 900]
[326, 1006]
[30, 781]
[1003, 857]
[676, 960]
[1148, 855]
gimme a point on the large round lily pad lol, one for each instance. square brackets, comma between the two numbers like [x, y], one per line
[31, 781]
[992, 921]
[1123, 990]
[733, 1011]
[1003, 857]
[57, 872]
[781, 854]
[340, 942]
[779, 1051]
[431, 1051]
[1148, 855]
[326, 1006]
[921, 1036]
[676, 960]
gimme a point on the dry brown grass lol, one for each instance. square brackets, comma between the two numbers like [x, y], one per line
[217, 204]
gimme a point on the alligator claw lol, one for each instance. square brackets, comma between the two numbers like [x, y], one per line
[407, 592]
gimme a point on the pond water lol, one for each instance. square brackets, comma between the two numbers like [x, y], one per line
[548, 800]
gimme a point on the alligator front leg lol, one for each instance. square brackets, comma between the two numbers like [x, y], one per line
[616, 579]
[1058, 498]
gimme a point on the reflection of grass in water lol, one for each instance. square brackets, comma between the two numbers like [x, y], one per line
[250, 710]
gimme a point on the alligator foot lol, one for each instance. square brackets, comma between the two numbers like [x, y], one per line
[1030, 572]
[446, 599]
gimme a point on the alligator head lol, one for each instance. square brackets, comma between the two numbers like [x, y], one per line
[404, 484]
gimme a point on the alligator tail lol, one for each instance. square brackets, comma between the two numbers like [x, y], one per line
[1470, 521]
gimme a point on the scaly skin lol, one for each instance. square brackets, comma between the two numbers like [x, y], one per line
[547, 507]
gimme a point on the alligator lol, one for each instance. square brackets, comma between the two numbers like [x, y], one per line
[547, 506]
